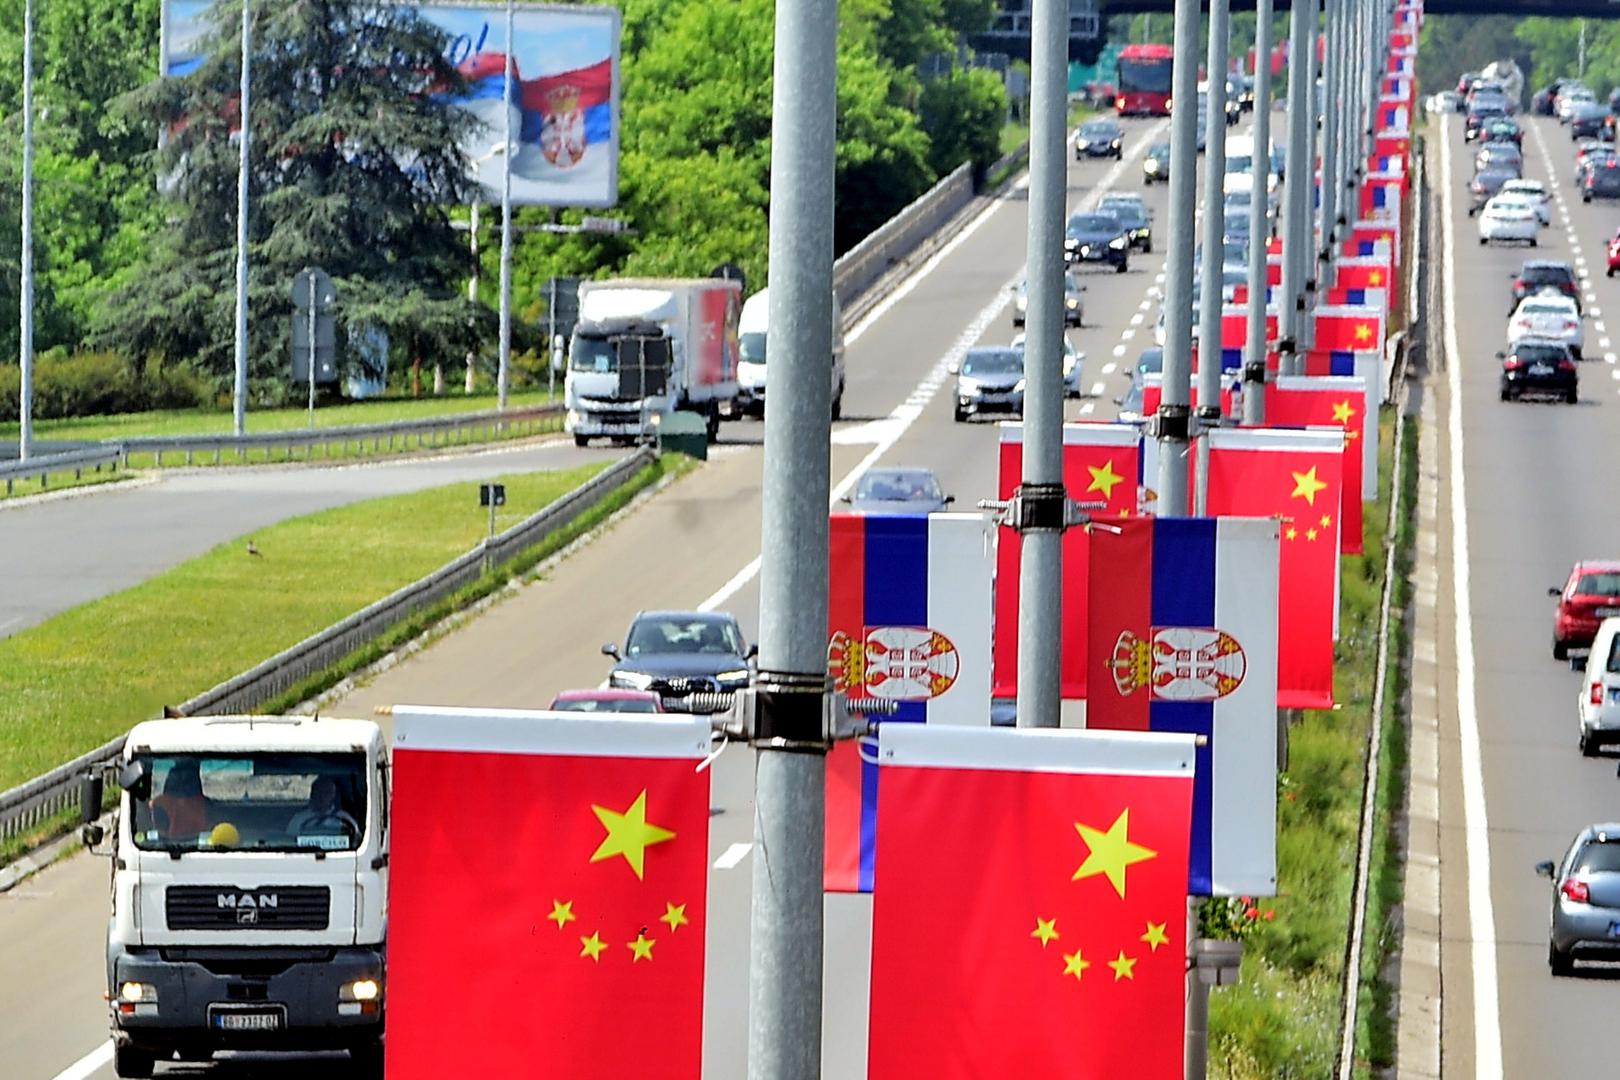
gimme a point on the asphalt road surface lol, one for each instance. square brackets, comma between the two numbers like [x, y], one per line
[1539, 496]
[696, 544]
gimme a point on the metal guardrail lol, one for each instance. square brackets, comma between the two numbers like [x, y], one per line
[862, 265]
[30, 804]
[46, 466]
[453, 430]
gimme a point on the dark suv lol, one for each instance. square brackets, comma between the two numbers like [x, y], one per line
[1540, 275]
[1602, 179]
[1539, 366]
[1478, 116]
[677, 653]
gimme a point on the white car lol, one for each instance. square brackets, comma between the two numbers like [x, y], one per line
[1508, 219]
[1598, 703]
[1071, 363]
[1568, 99]
[1535, 193]
[1548, 315]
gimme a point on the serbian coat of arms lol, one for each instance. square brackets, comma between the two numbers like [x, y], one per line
[562, 131]
[899, 663]
[1178, 663]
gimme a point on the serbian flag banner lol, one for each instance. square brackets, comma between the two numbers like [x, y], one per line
[1039, 869]
[1393, 145]
[1347, 329]
[1350, 363]
[1184, 639]
[568, 854]
[1240, 295]
[1381, 196]
[1295, 476]
[1338, 296]
[908, 622]
[1330, 401]
[1101, 470]
[1377, 237]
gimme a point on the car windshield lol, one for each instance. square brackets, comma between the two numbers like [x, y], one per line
[1598, 857]
[1239, 163]
[899, 485]
[1098, 131]
[1093, 223]
[606, 705]
[1159, 150]
[660, 634]
[1150, 361]
[1540, 354]
[1604, 584]
[1546, 275]
[752, 348]
[251, 801]
[993, 362]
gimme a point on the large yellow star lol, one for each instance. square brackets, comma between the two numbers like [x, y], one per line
[641, 948]
[1045, 930]
[675, 915]
[1376, 278]
[1306, 485]
[1074, 964]
[1122, 966]
[1103, 479]
[592, 947]
[629, 834]
[1155, 936]
[1111, 852]
[562, 913]
[1342, 412]
[1363, 333]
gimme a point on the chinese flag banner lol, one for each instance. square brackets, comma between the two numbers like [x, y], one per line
[1050, 940]
[1295, 476]
[1362, 272]
[547, 901]
[1330, 401]
[1184, 639]
[1101, 467]
[1348, 329]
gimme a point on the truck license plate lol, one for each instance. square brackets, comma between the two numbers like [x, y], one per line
[243, 1020]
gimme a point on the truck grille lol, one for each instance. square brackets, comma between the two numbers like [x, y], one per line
[269, 907]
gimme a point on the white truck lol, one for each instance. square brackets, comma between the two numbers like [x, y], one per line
[753, 334]
[249, 889]
[1508, 74]
[646, 347]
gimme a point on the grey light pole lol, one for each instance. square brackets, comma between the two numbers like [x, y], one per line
[1297, 183]
[784, 969]
[1254, 353]
[503, 379]
[1040, 494]
[1212, 296]
[244, 138]
[1334, 104]
[1172, 425]
[25, 400]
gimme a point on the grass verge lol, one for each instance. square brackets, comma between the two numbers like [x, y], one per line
[62, 482]
[1282, 1019]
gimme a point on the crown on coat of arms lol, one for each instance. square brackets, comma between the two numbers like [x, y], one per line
[846, 662]
[562, 100]
[1131, 662]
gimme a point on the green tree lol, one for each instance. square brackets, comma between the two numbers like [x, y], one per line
[962, 112]
[354, 162]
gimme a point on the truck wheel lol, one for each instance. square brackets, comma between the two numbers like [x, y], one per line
[132, 1061]
[838, 404]
[582, 440]
[713, 421]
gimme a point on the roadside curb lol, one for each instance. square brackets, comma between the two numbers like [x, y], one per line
[20, 870]
[138, 479]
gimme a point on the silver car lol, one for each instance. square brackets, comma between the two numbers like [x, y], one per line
[991, 379]
[1585, 900]
[898, 489]
[1072, 359]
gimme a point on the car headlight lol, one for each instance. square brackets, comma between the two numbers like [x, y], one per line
[1118, 243]
[735, 677]
[134, 992]
[966, 385]
[1116, 143]
[1070, 302]
[1021, 303]
[1150, 165]
[360, 990]
[630, 680]
[1070, 243]
[1018, 387]
[1082, 144]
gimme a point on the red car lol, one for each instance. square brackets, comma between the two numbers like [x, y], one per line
[1614, 253]
[1591, 595]
[615, 701]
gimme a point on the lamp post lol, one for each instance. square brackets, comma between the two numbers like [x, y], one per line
[25, 401]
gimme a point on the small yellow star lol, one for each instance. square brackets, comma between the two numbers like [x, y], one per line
[592, 947]
[1310, 534]
[1155, 936]
[1045, 930]
[1326, 521]
[1292, 533]
[1306, 485]
[1342, 412]
[1111, 852]
[675, 915]
[1104, 479]
[562, 913]
[1122, 966]
[641, 948]
[1075, 965]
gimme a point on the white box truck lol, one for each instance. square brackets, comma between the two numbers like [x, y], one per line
[753, 331]
[249, 889]
[646, 347]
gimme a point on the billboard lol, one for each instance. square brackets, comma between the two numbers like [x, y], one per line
[565, 99]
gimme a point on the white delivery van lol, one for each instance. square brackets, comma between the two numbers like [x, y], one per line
[1598, 704]
[752, 331]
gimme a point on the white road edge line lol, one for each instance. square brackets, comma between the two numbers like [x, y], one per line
[733, 855]
[88, 1065]
[1476, 825]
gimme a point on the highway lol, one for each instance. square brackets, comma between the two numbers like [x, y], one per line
[1531, 496]
[696, 544]
[62, 552]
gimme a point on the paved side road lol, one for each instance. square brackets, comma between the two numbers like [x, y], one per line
[62, 553]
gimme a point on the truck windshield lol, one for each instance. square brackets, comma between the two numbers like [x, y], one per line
[752, 347]
[594, 354]
[252, 801]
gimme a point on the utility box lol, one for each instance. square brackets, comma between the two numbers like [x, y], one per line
[685, 433]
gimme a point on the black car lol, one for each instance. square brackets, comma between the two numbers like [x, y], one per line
[1602, 180]
[1540, 275]
[1487, 182]
[1477, 117]
[1586, 121]
[677, 653]
[1156, 163]
[1132, 215]
[1540, 366]
[1503, 129]
[1504, 153]
[1097, 238]
[1099, 138]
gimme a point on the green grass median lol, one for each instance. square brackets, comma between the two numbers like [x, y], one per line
[82, 677]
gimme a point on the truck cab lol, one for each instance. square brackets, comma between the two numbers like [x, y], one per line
[249, 889]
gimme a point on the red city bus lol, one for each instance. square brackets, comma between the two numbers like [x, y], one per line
[1144, 80]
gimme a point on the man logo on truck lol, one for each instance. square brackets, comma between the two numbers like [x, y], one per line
[247, 901]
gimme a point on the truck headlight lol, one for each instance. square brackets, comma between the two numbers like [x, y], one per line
[360, 990]
[136, 992]
[573, 416]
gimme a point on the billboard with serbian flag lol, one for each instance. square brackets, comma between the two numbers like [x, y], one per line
[565, 104]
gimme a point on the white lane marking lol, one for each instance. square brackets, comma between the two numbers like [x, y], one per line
[91, 1063]
[1610, 358]
[1148, 303]
[1616, 374]
[1130, 332]
[1604, 343]
[1119, 350]
[1136, 320]
[1596, 313]
[887, 432]
[1098, 388]
[1109, 368]
[733, 855]
[1476, 825]
[1088, 408]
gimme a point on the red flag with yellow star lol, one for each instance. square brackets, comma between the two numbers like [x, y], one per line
[1101, 470]
[1348, 329]
[547, 895]
[1329, 401]
[1296, 476]
[1050, 939]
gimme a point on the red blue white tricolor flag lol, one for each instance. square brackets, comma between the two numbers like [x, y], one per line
[908, 621]
[1184, 639]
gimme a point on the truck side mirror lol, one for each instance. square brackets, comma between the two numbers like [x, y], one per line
[612, 650]
[136, 778]
[753, 651]
[90, 788]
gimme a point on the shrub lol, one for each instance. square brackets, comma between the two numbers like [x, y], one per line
[100, 384]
